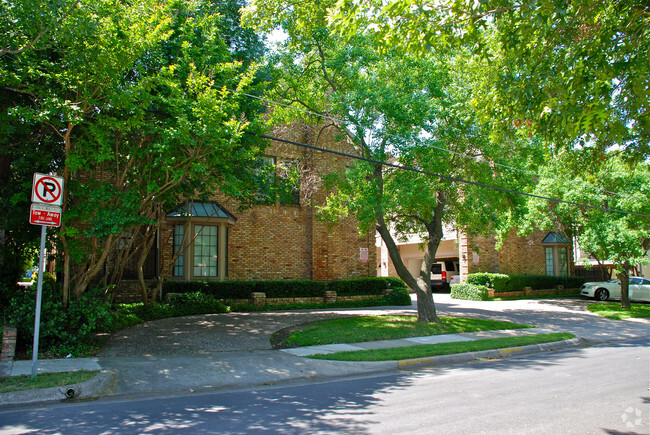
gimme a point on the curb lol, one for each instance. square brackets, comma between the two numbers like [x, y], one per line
[92, 388]
[85, 390]
[493, 353]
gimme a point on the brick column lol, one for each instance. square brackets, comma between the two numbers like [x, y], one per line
[330, 297]
[9, 334]
[258, 299]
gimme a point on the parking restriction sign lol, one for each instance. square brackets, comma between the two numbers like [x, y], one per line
[47, 189]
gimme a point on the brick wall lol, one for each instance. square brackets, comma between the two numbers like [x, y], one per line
[518, 255]
[288, 241]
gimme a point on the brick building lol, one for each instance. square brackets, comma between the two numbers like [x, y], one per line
[279, 239]
[541, 253]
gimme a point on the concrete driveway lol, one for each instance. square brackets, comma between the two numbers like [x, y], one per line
[252, 331]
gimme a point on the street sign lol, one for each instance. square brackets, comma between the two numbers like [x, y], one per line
[49, 215]
[47, 189]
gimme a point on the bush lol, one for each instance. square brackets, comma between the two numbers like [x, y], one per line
[399, 296]
[243, 289]
[471, 292]
[59, 327]
[497, 281]
[359, 286]
[186, 304]
[511, 283]
[284, 288]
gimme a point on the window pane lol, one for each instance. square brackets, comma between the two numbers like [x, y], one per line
[563, 260]
[179, 230]
[265, 179]
[205, 251]
[550, 270]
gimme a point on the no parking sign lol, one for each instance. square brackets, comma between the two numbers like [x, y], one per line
[47, 189]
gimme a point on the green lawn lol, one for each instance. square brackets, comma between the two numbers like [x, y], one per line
[372, 328]
[613, 310]
[45, 380]
[428, 350]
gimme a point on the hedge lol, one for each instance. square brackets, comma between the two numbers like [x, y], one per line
[471, 292]
[510, 283]
[358, 286]
[284, 289]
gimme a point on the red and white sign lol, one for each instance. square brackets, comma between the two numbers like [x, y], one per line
[363, 255]
[49, 215]
[47, 189]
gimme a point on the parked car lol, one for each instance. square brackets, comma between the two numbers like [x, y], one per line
[442, 274]
[639, 289]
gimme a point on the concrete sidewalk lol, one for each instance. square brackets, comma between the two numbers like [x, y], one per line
[175, 374]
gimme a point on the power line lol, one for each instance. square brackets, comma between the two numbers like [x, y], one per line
[459, 154]
[444, 177]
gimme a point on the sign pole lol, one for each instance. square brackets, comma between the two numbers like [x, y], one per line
[39, 294]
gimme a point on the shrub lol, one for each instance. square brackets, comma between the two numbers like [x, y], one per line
[399, 296]
[471, 292]
[284, 288]
[58, 327]
[395, 282]
[359, 286]
[186, 304]
[497, 281]
[243, 289]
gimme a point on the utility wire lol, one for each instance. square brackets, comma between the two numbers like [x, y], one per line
[444, 177]
[512, 168]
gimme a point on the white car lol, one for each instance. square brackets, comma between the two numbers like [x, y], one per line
[639, 289]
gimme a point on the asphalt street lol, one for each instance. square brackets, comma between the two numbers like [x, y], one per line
[566, 392]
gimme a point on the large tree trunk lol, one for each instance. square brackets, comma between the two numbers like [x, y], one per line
[624, 277]
[422, 284]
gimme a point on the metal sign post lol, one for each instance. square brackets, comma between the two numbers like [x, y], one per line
[39, 294]
[47, 197]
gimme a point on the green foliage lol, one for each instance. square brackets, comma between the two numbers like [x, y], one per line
[470, 292]
[414, 111]
[196, 303]
[565, 70]
[511, 283]
[399, 296]
[146, 93]
[59, 328]
[284, 288]
[492, 280]
[358, 286]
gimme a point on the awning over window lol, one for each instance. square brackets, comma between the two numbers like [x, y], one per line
[556, 239]
[210, 210]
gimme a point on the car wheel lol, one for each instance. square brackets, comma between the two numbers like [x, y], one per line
[601, 294]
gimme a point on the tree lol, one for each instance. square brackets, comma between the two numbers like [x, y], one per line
[614, 222]
[145, 103]
[570, 71]
[393, 107]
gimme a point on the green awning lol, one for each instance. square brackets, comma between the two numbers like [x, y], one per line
[210, 210]
[556, 239]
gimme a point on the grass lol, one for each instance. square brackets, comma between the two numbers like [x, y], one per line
[613, 310]
[427, 350]
[44, 380]
[372, 328]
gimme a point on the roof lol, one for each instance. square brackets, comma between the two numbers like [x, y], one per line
[555, 238]
[202, 210]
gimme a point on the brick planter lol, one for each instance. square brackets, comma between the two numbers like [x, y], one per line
[527, 291]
